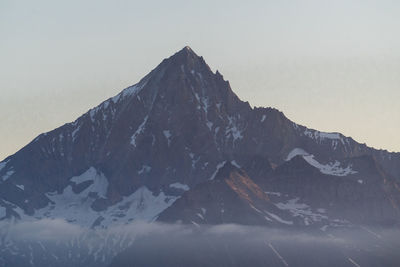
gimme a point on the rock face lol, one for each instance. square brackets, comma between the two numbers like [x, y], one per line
[133, 155]
[232, 197]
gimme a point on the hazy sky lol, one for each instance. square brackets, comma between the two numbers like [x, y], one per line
[329, 65]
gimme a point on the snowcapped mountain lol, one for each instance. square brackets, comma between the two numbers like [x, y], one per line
[163, 140]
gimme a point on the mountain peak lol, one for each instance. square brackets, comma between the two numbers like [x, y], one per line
[186, 76]
[188, 49]
[185, 55]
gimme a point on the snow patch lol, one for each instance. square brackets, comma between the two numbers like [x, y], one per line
[278, 194]
[295, 152]
[131, 90]
[60, 138]
[302, 210]
[74, 132]
[167, 134]
[254, 208]
[139, 130]
[92, 113]
[144, 169]
[195, 224]
[141, 205]
[3, 164]
[234, 163]
[279, 219]
[317, 135]
[233, 130]
[99, 186]
[263, 118]
[183, 187]
[194, 161]
[22, 187]
[88, 175]
[219, 166]
[331, 168]
[209, 125]
[76, 207]
[8, 175]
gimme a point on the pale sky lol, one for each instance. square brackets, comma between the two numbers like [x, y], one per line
[329, 65]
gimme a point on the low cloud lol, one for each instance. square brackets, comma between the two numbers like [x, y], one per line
[46, 229]
[173, 244]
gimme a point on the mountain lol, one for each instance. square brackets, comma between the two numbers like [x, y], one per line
[161, 142]
[215, 175]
